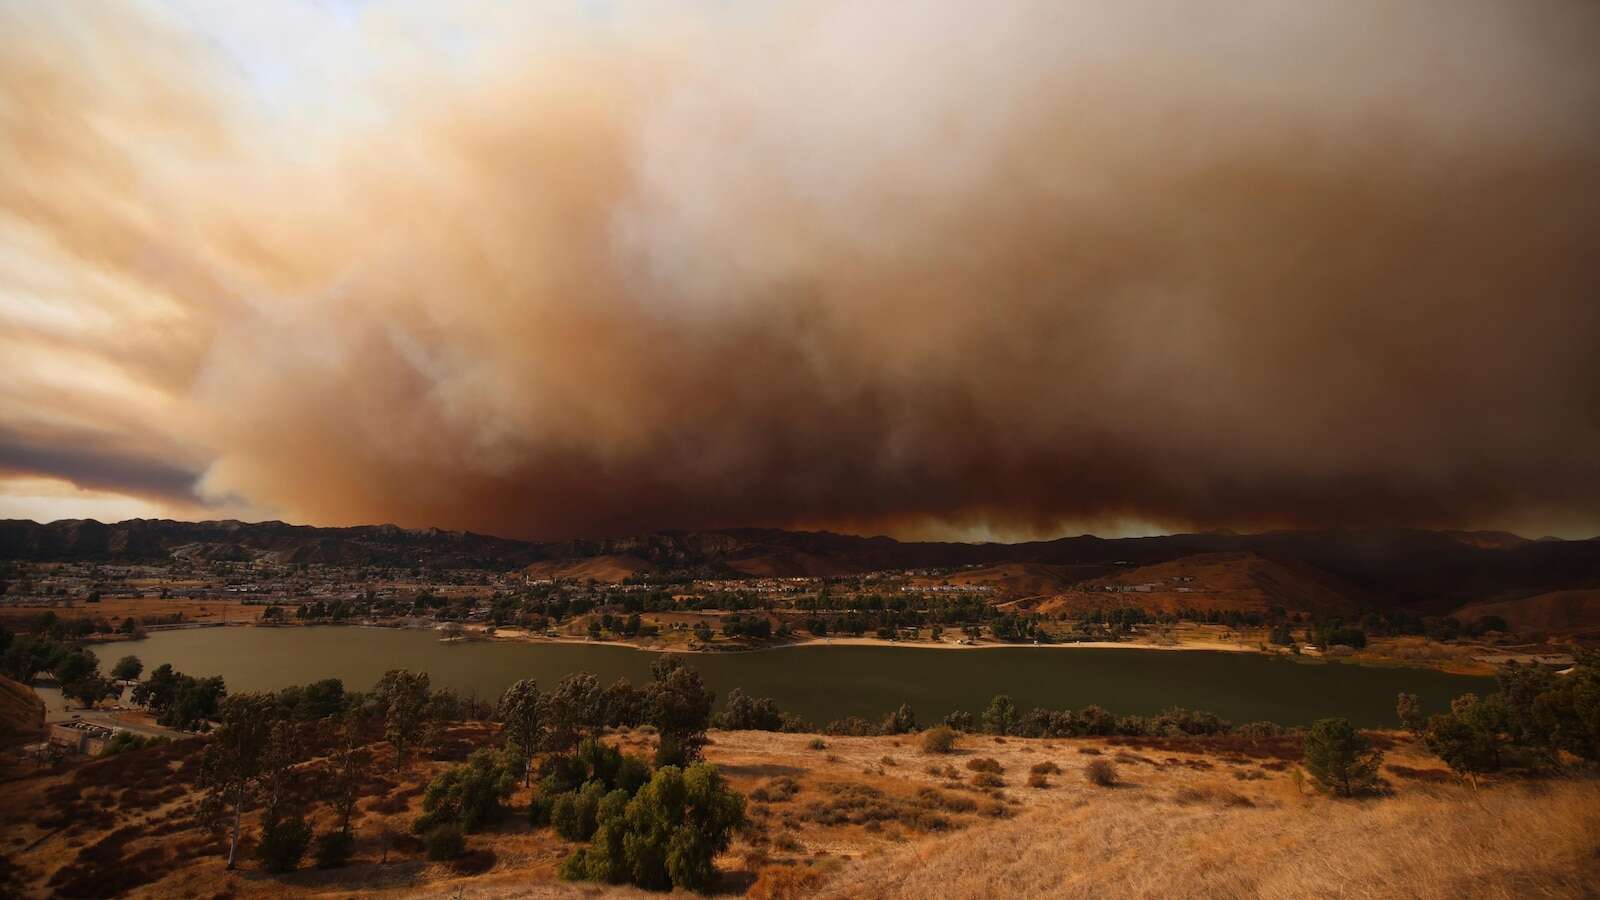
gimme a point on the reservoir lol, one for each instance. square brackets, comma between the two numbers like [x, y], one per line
[821, 682]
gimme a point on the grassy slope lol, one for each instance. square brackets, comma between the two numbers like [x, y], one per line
[1222, 819]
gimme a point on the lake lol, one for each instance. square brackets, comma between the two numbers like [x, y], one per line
[823, 683]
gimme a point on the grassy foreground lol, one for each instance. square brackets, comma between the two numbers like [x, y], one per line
[878, 816]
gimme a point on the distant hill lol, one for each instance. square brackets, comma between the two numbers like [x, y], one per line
[1429, 571]
[1242, 582]
[1556, 612]
[152, 539]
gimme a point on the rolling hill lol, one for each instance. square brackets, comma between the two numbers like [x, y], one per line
[1432, 572]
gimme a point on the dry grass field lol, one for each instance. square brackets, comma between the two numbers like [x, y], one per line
[876, 816]
[115, 609]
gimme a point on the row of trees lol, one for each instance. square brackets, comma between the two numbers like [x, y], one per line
[1532, 718]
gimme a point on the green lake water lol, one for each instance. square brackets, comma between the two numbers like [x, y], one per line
[823, 683]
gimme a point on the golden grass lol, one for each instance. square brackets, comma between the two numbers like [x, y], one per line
[1529, 840]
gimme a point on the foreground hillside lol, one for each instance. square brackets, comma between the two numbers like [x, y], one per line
[875, 816]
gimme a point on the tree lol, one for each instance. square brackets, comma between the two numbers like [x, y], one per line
[622, 704]
[90, 690]
[521, 708]
[1409, 709]
[127, 668]
[1340, 758]
[572, 711]
[746, 713]
[404, 697]
[667, 836]
[960, 720]
[901, 721]
[194, 701]
[1470, 738]
[471, 795]
[679, 707]
[233, 760]
[74, 664]
[350, 765]
[1001, 716]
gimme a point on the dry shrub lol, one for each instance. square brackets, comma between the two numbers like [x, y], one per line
[985, 764]
[778, 790]
[785, 883]
[1089, 751]
[1038, 780]
[1102, 773]
[816, 744]
[939, 739]
[987, 780]
[1045, 768]
[787, 842]
[888, 760]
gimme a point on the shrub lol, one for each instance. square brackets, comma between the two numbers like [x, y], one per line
[283, 842]
[574, 815]
[939, 739]
[901, 721]
[851, 726]
[667, 836]
[985, 764]
[817, 744]
[778, 790]
[1045, 768]
[1038, 780]
[744, 713]
[1001, 715]
[987, 780]
[334, 849]
[1101, 772]
[1340, 758]
[470, 795]
[785, 883]
[959, 720]
[445, 842]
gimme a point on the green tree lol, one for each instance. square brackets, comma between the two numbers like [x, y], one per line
[471, 795]
[521, 709]
[127, 668]
[667, 836]
[1001, 716]
[1340, 758]
[404, 697]
[572, 711]
[1470, 738]
[679, 707]
[1409, 709]
[233, 761]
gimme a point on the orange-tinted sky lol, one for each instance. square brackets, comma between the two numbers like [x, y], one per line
[915, 268]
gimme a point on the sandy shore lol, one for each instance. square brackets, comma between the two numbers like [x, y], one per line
[1214, 646]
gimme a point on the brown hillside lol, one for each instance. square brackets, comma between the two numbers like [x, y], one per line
[21, 710]
[1557, 612]
[611, 568]
[1016, 579]
[1243, 582]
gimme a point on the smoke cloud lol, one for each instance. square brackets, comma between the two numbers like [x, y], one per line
[925, 270]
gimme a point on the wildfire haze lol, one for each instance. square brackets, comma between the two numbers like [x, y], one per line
[931, 269]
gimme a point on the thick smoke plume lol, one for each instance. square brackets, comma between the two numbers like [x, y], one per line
[871, 266]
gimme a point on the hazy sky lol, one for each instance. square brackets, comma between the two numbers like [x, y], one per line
[578, 269]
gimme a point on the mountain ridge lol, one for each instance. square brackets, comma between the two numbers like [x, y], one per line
[1435, 571]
